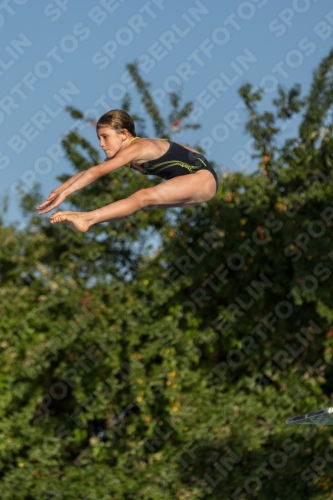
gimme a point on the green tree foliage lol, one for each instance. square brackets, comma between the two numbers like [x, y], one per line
[170, 376]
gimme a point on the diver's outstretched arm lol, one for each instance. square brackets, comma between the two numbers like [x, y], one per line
[83, 179]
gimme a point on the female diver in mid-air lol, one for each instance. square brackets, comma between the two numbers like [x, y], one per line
[167, 159]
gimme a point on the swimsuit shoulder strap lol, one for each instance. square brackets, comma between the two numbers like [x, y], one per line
[160, 138]
[133, 139]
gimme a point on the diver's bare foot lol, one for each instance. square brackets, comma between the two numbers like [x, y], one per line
[79, 221]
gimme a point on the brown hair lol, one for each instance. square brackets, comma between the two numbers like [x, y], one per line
[118, 120]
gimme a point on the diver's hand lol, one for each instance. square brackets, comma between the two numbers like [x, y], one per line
[54, 200]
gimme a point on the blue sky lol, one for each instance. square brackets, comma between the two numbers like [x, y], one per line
[64, 52]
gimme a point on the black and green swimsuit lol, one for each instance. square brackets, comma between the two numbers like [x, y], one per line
[175, 162]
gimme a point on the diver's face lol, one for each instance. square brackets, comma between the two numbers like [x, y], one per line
[110, 141]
